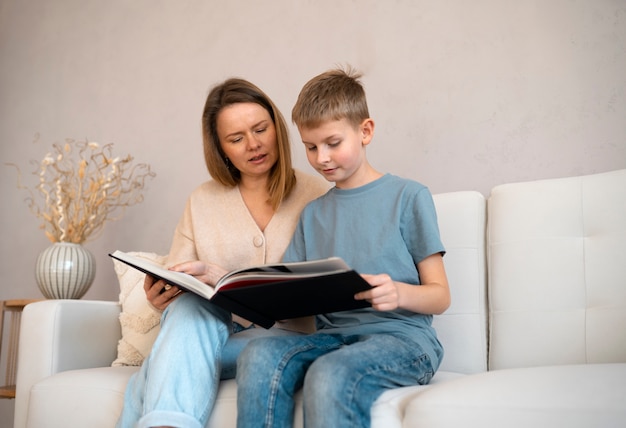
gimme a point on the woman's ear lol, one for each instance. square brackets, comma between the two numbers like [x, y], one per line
[367, 131]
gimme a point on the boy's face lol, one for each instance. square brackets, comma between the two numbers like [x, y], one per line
[336, 149]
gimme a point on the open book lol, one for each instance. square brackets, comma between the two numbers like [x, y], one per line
[268, 293]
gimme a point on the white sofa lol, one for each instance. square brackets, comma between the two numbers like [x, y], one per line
[541, 343]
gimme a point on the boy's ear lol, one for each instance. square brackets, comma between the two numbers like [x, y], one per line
[367, 131]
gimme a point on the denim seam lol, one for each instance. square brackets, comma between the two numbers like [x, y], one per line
[207, 411]
[373, 371]
[401, 368]
[280, 369]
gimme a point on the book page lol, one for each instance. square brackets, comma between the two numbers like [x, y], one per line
[285, 271]
[179, 279]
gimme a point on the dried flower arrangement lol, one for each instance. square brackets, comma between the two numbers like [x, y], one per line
[82, 186]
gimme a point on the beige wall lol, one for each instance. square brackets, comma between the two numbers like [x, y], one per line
[465, 95]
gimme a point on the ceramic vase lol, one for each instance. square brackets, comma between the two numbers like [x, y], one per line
[65, 271]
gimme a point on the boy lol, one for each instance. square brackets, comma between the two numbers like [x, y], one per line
[384, 227]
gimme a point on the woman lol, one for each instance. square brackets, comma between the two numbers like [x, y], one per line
[244, 216]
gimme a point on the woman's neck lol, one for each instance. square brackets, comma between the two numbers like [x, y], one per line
[256, 197]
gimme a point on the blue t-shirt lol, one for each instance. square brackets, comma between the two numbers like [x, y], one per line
[386, 226]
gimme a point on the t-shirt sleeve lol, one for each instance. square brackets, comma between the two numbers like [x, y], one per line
[420, 229]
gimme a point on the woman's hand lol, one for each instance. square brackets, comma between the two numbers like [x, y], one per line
[205, 272]
[160, 294]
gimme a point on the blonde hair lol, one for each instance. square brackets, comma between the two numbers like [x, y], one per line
[233, 91]
[334, 95]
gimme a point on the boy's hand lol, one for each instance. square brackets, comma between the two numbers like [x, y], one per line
[384, 296]
[431, 297]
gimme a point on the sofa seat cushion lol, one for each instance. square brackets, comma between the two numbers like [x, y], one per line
[583, 395]
[94, 398]
[388, 410]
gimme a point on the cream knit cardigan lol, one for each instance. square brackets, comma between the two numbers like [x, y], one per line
[217, 227]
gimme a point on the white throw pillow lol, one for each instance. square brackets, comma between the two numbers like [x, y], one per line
[139, 320]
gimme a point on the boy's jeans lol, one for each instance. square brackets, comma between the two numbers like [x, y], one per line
[341, 383]
[177, 383]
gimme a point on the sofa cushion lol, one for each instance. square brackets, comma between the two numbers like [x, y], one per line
[585, 395]
[55, 397]
[140, 322]
[389, 409]
[60, 399]
[557, 271]
[63, 394]
[462, 329]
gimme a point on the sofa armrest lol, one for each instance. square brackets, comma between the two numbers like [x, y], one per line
[60, 335]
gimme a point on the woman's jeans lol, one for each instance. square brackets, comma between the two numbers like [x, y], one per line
[177, 383]
[340, 383]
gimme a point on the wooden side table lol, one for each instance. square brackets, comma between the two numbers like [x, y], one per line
[13, 309]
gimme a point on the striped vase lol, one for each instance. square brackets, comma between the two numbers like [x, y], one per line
[65, 271]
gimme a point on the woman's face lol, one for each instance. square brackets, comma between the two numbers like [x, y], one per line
[247, 136]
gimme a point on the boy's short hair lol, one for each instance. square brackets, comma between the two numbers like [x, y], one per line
[334, 95]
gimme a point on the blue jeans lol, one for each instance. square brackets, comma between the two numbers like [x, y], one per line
[341, 377]
[177, 383]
